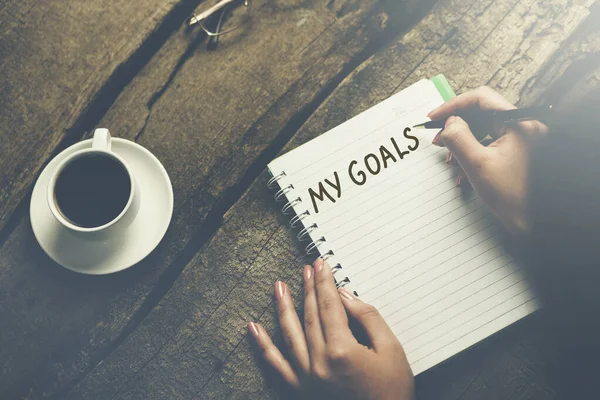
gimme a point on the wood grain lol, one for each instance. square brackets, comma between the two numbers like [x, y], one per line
[214, 119]
[203, 351]
[55, 57]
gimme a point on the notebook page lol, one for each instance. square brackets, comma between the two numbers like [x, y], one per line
[427, 254]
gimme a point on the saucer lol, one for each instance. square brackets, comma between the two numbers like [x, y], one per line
[86, 256]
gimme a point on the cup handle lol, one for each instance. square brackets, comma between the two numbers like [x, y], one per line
[101, 140]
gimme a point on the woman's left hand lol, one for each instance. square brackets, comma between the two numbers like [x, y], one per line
[325, 357]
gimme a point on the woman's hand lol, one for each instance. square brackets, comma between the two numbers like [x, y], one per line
[325, 357]
[499, 173]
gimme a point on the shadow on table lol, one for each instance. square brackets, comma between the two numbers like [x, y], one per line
[554, 353]
[116, 282]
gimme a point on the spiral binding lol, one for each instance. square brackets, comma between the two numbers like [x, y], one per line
[281, 193]
[298, 218]
[304, 232]
[290, 206]
[272, 184]
[342, 283]
[327, 255]
[297, 221]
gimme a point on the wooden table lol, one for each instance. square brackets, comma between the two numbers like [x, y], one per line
[174, 326]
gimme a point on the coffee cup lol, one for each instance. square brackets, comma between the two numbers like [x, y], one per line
[93, 192]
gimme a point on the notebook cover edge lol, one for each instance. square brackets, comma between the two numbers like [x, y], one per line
[443, 86]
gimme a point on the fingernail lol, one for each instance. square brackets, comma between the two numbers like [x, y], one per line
[459, 180]
[450, 121]
[279, 290]
[345, 294]
[318, 265]
[307, 272]
[452, 160]
[253, 329]
[437, 140]
[448, 158]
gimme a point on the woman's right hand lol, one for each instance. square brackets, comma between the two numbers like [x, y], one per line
[499, 173]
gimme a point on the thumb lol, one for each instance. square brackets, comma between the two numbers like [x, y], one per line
[461, 142]
[379, 333]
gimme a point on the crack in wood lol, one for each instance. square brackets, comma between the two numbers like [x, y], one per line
[187, 54]
[451, 33]
[106, 96]
[495, 26]
[317, 37]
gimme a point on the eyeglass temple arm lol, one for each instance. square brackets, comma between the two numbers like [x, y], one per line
[202, 16]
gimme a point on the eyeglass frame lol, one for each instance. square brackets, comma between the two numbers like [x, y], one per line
[203, 16]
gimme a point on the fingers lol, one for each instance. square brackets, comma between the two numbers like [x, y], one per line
[463, 145]
[534, 128]
[312, 323]
[272, 355]
[378, 331]
[331, 311]
[291, 328]
[483, 98]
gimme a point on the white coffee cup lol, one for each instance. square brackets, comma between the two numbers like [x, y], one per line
[101, 145]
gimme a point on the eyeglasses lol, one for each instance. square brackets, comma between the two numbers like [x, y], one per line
[218, 17]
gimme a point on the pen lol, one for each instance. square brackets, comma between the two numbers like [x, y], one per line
[481, 121]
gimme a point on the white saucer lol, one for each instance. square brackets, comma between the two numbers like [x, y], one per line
[141, 237]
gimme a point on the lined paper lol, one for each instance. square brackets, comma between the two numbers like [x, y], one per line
[427, 254]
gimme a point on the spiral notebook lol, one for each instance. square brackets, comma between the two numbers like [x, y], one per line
[378, 201]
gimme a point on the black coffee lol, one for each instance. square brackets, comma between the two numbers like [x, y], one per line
[92, 190]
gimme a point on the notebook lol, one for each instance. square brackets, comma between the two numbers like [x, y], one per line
[378, 201]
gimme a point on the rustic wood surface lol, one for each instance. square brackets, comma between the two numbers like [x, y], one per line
[174, 325]
[60, 63]
[210, 155]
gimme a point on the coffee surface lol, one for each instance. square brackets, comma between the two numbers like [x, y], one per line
[92, 190]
